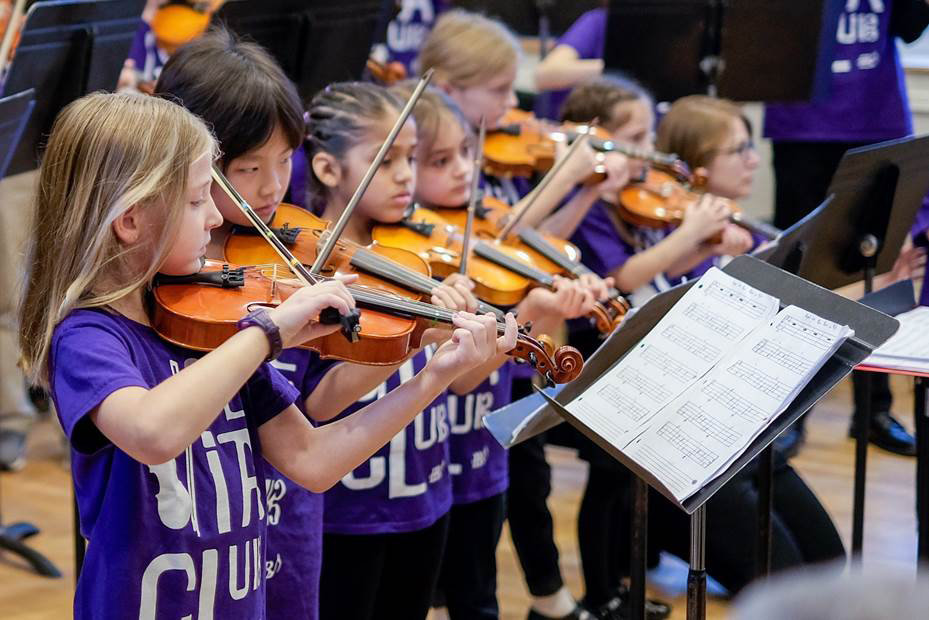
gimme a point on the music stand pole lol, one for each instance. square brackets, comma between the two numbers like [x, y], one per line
[922, 471]
[639, 552]
[696, 576]
[868, 247]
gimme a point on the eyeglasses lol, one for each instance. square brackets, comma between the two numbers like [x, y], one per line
[742, 149]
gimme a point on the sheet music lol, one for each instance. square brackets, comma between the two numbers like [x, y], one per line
[908, 349]
[712, 317]
[707, 426]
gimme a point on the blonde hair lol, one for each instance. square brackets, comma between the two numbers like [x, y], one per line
[106, 153]
[696, 127]
[467, 49]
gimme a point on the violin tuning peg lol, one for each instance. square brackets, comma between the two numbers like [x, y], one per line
[549, 381]
[533, 359]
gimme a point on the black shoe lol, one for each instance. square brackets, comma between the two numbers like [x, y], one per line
[579, 613]
[12, 450]
[887, 433]
[788, 442]
[617, 608]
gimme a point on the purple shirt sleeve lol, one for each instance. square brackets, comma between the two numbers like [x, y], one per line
[602, 248]
[94, 363]
[587, 34]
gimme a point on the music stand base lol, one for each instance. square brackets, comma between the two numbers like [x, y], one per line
[11, 537]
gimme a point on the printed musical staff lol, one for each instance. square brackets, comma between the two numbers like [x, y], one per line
[666, 364]
[622, 402]
[689, 447]
[693, 344]
[693, 413]
[673, 477]
[633, 379]
[732, 402]
[716, 323]
[805, 332]
[735, 300]
[757, 379]
[781, 356]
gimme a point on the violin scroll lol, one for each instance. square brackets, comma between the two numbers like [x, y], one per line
[560, 365]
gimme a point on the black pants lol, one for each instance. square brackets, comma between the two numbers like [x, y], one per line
[802, 173]
[371, 577]
[803, 532]
[468, 579]
[531, 525]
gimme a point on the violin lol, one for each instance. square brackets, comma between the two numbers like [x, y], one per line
[386, 73]
[200, 312]
[661, 200]
[551, 254]
[502, 274]
[181, 21]
[389, 269]
[524, 145]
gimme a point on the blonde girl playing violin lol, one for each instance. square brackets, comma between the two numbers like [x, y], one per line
[167, 442]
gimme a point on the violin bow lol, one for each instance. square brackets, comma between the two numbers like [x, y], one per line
[472, 202]
[329, 244]
[534, 195]
[350, 322]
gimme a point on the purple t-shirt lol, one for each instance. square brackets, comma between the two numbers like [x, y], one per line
[407, 31]
[587, 36]
[295, 516]
[478, 463]
[181, 539]
[148, 57]
[404, 486]
[603, 249]
[867, 99]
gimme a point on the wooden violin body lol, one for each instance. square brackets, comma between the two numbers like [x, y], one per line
[660, 201]
[523, 146]
[547, 252]
[489, 219]
[503, 274]
[180, 22]
[400, 271]
[200, 314]
[437, 242]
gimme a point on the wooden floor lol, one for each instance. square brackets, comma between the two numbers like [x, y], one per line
[40, 494]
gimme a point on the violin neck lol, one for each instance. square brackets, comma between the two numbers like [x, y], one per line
[540, 244]
[491, 254]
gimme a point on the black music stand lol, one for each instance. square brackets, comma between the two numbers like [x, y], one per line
[14, 113]
[316, 42]
[751, 50]
[858, 232]
[872, 328]
[67, 48]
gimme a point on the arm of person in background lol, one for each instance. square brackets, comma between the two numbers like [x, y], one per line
[565, 220]
[564, 68]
